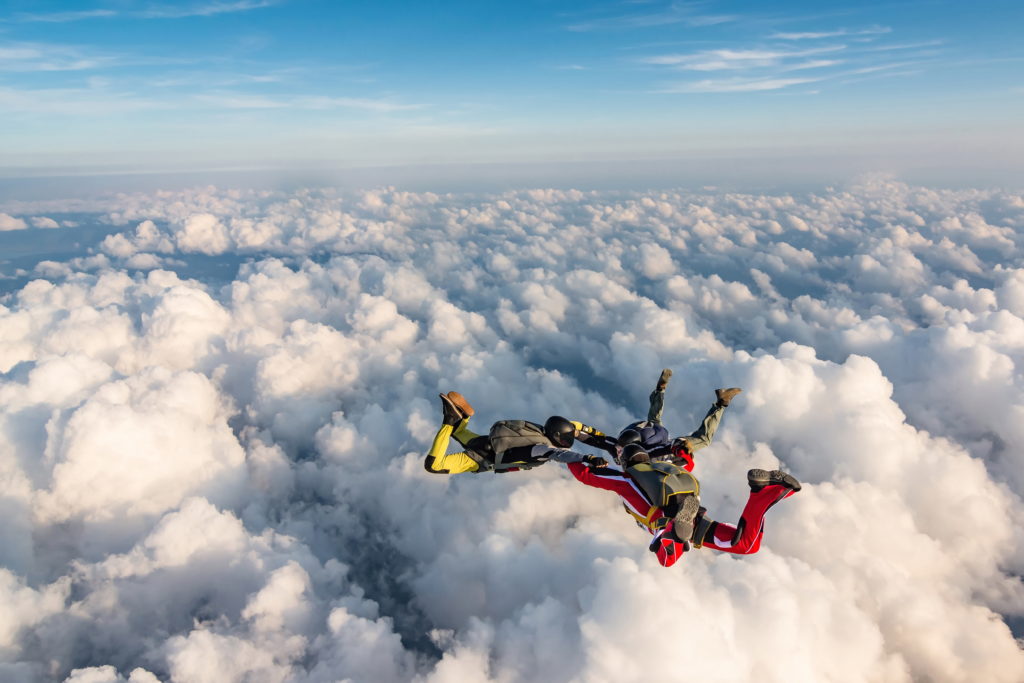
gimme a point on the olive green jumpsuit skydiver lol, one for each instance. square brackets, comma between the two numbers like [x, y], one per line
[700, 437]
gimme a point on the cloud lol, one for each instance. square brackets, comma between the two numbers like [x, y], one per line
[39, 57]
[818, 35]
[63, 17]
[247, 101]
[726, 59]
[676, 13]
[738, 85]
[212, 429]
[202, 9]
[8, 222]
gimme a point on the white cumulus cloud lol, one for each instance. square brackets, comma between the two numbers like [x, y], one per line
[212, 428]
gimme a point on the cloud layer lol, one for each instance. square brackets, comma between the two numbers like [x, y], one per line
[212, 477]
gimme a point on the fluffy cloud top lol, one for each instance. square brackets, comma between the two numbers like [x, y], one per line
[218, 478]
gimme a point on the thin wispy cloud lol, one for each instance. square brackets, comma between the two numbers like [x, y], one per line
[367, 104]
[37, 57]
[904, 46]
[63, 17]
[258, 101]
[204, 9]
[80, 101]
[813, 64]
[166, 11]
[725, 59]
[675, 13]
[818, 35]
[769, 67]
[240, 101]
[737, 85]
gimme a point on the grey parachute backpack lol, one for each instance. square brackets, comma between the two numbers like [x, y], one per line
[668, 485]
[507, 434]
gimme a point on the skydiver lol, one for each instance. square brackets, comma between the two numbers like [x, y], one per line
[652, 435]
[510, 445]
[676, 520]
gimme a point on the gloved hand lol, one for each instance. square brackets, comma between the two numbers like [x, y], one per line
[680, 446]
[594, 461]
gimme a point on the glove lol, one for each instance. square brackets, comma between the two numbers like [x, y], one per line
[594, 461]
[680, 446]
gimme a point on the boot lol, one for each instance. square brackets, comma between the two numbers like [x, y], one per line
[452, 413]
[758, 479]
[724, 396]
[686, 516]
[461, 403]
[666, 375]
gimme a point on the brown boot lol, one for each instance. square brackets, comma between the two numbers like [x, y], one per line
[460, 402]
[666, 375]
[724, 396]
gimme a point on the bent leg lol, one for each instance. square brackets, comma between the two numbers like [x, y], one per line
[702, 437]
[745, 537]
[438, 462]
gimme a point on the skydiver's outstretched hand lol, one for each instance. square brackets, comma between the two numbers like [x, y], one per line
[681, 446]
[594, 461]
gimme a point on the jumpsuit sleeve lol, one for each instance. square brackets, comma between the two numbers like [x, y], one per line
[596, 438]
[562, 455]
[585, 429]
[585, 475]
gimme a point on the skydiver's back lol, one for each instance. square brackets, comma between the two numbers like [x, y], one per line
[652, 434]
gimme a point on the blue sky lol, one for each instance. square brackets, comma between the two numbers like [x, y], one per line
[305, 83]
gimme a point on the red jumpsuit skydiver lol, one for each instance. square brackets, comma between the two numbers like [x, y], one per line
[744, 538]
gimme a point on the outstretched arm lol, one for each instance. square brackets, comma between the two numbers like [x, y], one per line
[621, 483]
[594, 437]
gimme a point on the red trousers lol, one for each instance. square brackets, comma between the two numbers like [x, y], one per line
[745, 537]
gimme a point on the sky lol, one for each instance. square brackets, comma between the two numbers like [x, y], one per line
[215, 405]
[929, 89]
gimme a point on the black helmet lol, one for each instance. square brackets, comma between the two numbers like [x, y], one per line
[560, 431]
[632, 454]
[628, 436]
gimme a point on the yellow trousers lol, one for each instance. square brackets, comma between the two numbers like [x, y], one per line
[440, 462]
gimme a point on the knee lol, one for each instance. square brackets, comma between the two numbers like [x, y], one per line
[747, 546]
[429, 463]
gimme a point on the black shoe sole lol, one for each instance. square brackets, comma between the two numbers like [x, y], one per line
[450, 410]
[685, 517]
[758, 479]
